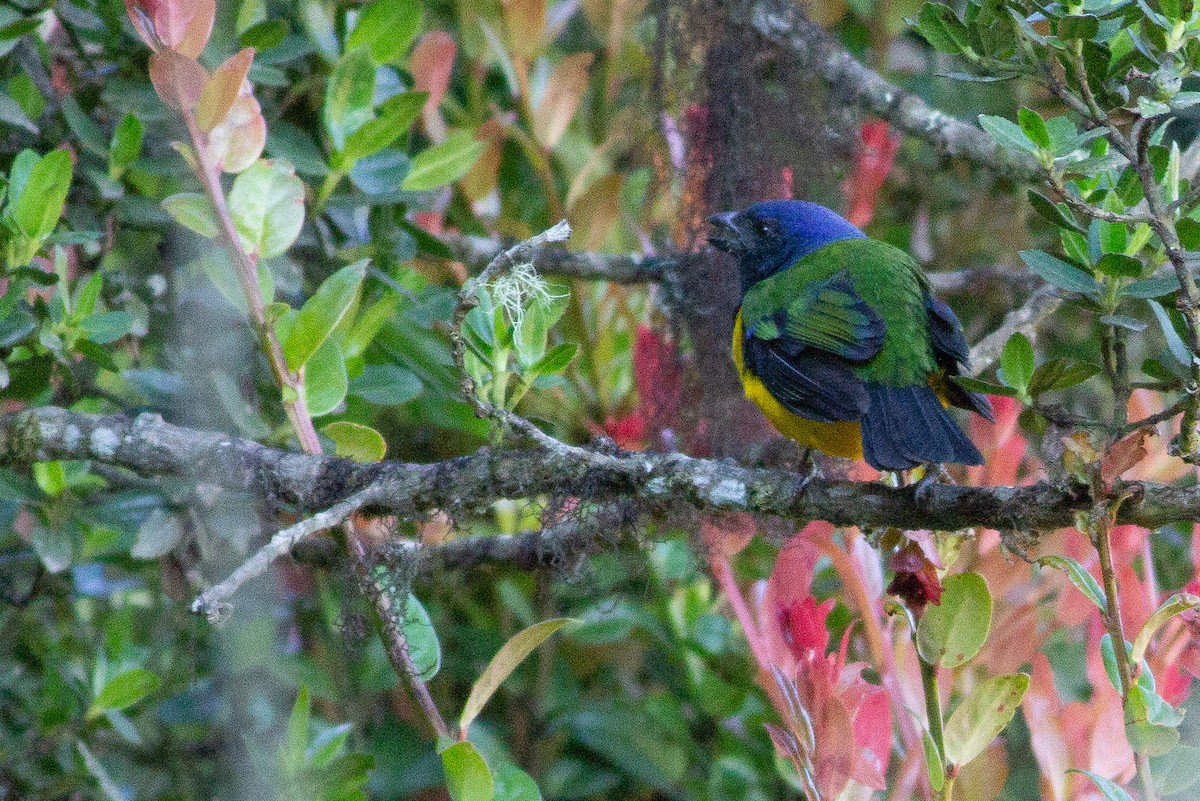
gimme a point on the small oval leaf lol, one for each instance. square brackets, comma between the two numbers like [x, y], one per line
[982, 715]
[506, 660]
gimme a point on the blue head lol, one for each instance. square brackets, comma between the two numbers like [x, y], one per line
[773, 235]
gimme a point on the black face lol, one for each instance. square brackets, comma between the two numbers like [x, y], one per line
[755, 242]
[740, 233]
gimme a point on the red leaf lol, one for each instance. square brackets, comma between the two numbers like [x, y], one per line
[871, 168]
[179, 80]
[804, 629]
[431, 63]
[222, 89]
[1125, 454]
[659, 380]
[180, 25]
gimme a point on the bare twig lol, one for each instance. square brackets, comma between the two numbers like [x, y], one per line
[1024, 319]
[783, 23]
[213, 602]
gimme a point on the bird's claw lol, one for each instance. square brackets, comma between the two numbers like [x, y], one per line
[810, 468]
[923, 489]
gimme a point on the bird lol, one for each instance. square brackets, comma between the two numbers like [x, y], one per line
[840, 341]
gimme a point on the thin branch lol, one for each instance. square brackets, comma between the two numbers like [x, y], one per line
[1024, 319]
[213, 602]
[468, 298]
[383, 595]
[478, 251]
[784, 24]
[1103, 520]
[1097, 213]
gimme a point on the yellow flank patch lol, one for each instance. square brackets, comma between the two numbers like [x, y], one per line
[835, 439]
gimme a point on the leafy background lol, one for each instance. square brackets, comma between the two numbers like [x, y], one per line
[389, 124]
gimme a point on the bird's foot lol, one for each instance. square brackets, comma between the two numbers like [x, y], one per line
[923, 489]
[810, 468]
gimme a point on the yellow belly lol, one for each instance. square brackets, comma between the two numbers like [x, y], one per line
[835, 439]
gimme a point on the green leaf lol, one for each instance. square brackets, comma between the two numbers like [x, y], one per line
[350, 95]
[1110, 790]
[539, 316]
[1176, 771]
[216, 265]
[1017, 362]
[355, 441]
[1188, 231]
[1125, 321]
[1052, 212]
[265, 34]
[982, 715]
[506, 660]
[87, 295]
[1006, 133]
[267, 206]
[555, 360]
[12, 114]
[387, 27]
[106, 327]
[1059, 374]
[83, 126]
[1060, 273]
[1034, 127]
[1152, 287]
[942, 29]
[443, 164]
[54, 546]
[1108, 655]
[51, 477]
[40, 204]
[386, 385]
[975, 385]
[325, 381]
[1174, 342]
[194, 212]
[126, 144]
[1119, 265]
[1151, 739]
[423, 644]
[396, 116]
[953, 631]
[514, 784]
[328, 745]
[1177, 604]
[1080, 577]
[112, 791]
[322, 313]
[1084, 26]
[159, 533]
[933, 762]
[467, 775]
[295, 742]
[123, 691]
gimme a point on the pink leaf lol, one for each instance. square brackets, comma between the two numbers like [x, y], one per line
[431, 62]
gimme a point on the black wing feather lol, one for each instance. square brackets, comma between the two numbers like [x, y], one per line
[812, 384]
[953, 355]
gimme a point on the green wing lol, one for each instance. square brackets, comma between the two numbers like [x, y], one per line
[827, 314]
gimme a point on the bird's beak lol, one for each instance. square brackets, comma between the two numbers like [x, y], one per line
[726, 235]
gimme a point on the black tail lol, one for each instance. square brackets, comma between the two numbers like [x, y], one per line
[908, 426]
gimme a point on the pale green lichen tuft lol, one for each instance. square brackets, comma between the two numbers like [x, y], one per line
[519, 288]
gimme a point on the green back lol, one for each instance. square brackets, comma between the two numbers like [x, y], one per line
[885, 277]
